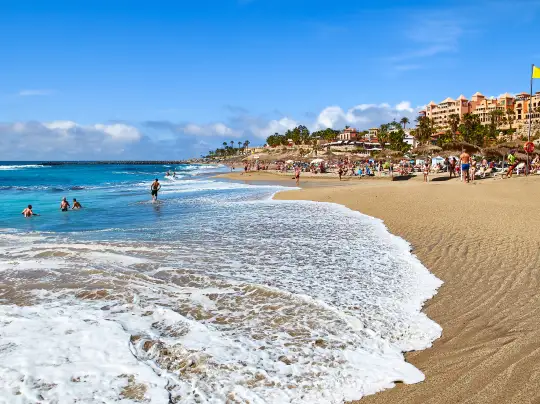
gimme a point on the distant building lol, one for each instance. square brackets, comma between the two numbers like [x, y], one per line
[348, 134]
[410, 139]
[373, 133]
[514, 108]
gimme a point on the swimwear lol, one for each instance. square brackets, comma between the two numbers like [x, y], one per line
[64, 209]
[465, 167]
[154, 192]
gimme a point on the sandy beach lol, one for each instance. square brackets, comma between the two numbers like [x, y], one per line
[481, 240]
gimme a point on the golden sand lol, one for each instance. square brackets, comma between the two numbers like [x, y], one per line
[482, 240]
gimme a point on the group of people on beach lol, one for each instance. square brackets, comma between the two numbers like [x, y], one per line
[64, 207]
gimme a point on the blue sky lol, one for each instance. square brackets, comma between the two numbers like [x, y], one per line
[158, 79]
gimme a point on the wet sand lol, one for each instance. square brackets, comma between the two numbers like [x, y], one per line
[482, 240]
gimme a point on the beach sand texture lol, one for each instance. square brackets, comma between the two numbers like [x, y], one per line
[482, 240]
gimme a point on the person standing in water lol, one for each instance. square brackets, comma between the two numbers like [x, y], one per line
[154, 188]
[76, 205]
[64, 205]
[28, 212]
[297, 175]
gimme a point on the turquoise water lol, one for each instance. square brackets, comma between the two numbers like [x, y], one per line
[215, 292]
[113, 196]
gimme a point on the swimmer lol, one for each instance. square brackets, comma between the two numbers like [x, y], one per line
[64, 205]
[28, 212]
[76, 205]
[154, 188]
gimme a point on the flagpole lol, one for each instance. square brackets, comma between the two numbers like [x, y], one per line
[530, 115]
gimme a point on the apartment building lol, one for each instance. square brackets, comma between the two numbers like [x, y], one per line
[440, 113]
[514, 107]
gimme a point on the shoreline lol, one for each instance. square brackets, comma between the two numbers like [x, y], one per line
[479, 239]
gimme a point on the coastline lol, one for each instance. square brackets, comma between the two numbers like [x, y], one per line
[479, 239]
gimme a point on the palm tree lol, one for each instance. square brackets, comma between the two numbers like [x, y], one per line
[225, 144]
[246, 144]
[383, 135]
[232, 144]
[453, 122]
[404, 121]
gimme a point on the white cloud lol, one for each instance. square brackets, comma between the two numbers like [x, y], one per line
[119, 131]
[362, 115]
[30, 93]
[404, 106]
[64, 139]
[216, 129]
[273, 126]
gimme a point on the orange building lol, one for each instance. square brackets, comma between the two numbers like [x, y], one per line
[515, 108]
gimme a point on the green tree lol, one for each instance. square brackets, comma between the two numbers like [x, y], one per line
[327, 134]
[495, 121]
[424, 130]
[396, 137]
[510, 118]
[404, 121]
[472, 130]
[453, 121]
[384, 134]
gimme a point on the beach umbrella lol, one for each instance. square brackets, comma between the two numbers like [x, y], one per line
[427, 149]
[459, 146]
[316, 161]
[494, 151]
[513, 144]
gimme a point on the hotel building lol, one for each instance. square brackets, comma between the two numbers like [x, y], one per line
[514, 107]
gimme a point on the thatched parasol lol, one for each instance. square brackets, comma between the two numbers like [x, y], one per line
[459, 146]
[514, 144]
[494, 151]
[424, 150]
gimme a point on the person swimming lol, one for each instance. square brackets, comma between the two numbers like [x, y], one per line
[154, 188]
[76, 205]
[64, 205]
[28, 212]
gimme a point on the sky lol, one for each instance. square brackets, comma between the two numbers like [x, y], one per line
[174, 79]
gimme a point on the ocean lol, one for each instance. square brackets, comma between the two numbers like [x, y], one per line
[215, 294]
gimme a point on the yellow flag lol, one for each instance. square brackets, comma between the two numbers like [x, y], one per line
[536, 72]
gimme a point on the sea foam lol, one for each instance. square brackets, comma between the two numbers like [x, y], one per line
[239, 298]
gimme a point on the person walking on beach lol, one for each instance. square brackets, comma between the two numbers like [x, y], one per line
[465, 159]
[297, 175]
[64, 205]
[340, 172]
[28, 212]
[154, 188]
[426, 171]
[513, 163]
[452, 168]
[76, 205]
[472, 170]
